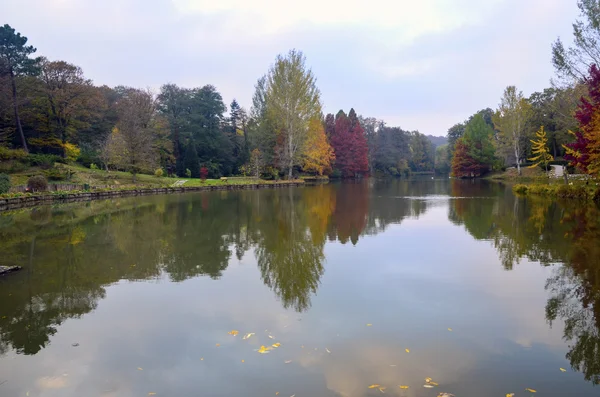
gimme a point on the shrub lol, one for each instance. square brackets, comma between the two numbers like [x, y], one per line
[336, 174]
[188, 173]
[37, 183]
[44, 161]
[4, 183]
[54, 174]
[9, 154]
[158, 172]
[520, 189]
[203, 173]
[93, 166]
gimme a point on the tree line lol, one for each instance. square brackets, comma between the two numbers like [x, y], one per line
[51, 107]
[558, 123]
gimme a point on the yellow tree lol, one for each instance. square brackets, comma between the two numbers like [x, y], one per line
[540, 149]
[318, 154]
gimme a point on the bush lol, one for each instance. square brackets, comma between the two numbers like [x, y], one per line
[44, 161]
[37, 183]
[158, 173]
[54, 174]
[203, 173]
[336, 174]
[4, 183]
[188, 173]
[9, 154]
[520, 189]
[93, 166]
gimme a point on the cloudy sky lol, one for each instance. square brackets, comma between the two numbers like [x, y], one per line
[421, 65]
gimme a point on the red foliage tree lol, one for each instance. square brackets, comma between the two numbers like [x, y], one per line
[578, 151]
[349, 144]
[463, 164]
[203, 173]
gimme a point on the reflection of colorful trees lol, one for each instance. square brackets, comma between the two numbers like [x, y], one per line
[351, 210]
[549, 232]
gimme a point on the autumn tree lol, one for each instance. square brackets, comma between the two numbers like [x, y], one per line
[135, 133]
[463, 164]
[318, 155]
[15, 62]
[578, 152]
[511, 122]
[474, 152]
[540, 150]
[72, 102]
[350, 145]
[292, 100]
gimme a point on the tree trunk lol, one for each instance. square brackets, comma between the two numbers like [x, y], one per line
[16, 109]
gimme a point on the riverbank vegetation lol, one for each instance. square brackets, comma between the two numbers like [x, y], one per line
[558, 125]
[53, 118]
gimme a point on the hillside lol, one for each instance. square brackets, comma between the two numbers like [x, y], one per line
[437, 140]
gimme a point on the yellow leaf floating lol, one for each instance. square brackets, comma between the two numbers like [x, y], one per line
[381, 389]
[242, 360]
[531, 390]
[450, 329]
[369, 325]
[276, 344]
[201, 358]
[428, 386]
[510, 395]
[287, 361]
[151, 394]
[375, 386]
[407, 350]
[403, 387]
[433, 383]
[327, 350]
[264, 349]
[248, 335]
[140, 369]
[218, 344]
[233, 332]
[428, 380]
[563, 370]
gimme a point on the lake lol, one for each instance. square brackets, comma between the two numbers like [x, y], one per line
[350, 289]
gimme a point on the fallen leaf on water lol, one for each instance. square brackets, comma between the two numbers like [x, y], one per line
[407, 350]
[510, 395]
[140, 369]
[248, 335]
[151, 393]
[381, 389]
[242, 360]
[287, 361]
[270, 336]
[450, 329]
[201, 358]
[276, 344]
[428, 386]
[218, 344]
[303, 346]
[445, 395]
[563, 370]
[428, 380]
[233, 332]
[27, 394]
[531, 390]
[368, 325]
[293, 395]
[403, 387]
[433, 383]
[392, 365]
[276, 393]
[327, 350]
[264, 349]
[375, 386]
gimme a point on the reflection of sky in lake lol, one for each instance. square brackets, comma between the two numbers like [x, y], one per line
[411, 282]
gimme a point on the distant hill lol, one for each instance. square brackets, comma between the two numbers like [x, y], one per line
[437, 140]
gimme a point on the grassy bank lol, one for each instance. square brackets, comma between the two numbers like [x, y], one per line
[575, 190]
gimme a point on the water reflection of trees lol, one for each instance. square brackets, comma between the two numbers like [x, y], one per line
[70, 253]
[563, 233]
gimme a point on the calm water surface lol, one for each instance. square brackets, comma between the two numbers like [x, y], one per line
[374, 283]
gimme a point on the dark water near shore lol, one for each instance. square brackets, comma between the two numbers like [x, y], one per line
[373, 283]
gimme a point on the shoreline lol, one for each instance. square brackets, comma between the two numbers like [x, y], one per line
[33, 200]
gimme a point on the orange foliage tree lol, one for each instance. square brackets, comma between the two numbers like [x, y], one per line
[318, 154]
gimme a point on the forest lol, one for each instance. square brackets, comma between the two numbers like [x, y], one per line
[51, 112]
[558, 125]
